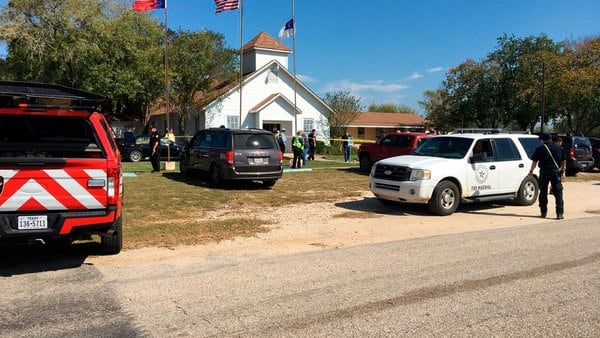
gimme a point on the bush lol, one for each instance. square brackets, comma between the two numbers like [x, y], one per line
[334, 149]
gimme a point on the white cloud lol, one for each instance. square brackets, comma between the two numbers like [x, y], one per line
[305, 78]
[368, 86]
[415, 76]
[435, 70]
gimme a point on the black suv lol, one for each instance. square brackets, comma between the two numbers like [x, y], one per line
[578, 151]
[596, 151]
[233, 154]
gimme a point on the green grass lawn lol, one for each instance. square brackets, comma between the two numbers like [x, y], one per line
[168, 209]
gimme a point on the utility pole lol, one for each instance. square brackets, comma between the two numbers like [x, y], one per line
[543, 105]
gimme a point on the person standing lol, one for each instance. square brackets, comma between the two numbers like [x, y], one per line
[305, 146]
[549, 157]
[154, 151]
[312, 144]
[563, 166]
[346, 146]
[281, 139]
[169, 135]
[297, 148]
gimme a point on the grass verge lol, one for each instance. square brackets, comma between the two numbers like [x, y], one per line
[168, 209]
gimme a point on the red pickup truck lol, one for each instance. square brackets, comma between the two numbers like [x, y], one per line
[401, 143]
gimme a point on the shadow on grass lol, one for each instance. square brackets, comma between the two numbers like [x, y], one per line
[199, 180]
[25, 258]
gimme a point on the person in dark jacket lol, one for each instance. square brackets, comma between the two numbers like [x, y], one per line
[550, 159]
[154, 143]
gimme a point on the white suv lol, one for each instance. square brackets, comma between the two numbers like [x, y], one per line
[449, 169]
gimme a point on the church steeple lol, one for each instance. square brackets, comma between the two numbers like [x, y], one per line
[263, 49]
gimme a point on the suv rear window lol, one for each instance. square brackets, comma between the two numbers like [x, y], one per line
[254, 141]
[582, 143]
[47, 136]
[529, 144]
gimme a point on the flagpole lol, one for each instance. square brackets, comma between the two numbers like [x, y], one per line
[167, 102]
[167, 65]
[294, 52]
[241, 55]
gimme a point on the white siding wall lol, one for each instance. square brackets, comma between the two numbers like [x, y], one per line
[260, 87]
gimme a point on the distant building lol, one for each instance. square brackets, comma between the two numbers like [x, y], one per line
[368, 126]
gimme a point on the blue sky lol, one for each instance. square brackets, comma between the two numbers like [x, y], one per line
[388, 50]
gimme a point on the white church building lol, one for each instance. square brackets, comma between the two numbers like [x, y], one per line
[269, 97]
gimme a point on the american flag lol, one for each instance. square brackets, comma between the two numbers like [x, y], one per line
[226, 5]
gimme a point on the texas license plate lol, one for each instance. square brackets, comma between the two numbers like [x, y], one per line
[32, 222]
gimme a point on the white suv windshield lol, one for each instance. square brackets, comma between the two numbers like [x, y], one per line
[446, 147]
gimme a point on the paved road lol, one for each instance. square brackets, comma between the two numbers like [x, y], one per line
[534, 280]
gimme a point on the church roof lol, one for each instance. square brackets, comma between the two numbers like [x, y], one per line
[275, 96]
[265, 41]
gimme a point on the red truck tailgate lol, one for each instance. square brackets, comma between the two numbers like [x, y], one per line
[73, 188]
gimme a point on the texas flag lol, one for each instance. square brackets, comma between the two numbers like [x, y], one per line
[148, 5]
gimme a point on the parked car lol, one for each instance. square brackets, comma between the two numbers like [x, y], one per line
[595, 151]
[125, 143]
[578, 150]
[60, 173]
[401, 143]
[140, 149]
[233, 154]
[447, 170]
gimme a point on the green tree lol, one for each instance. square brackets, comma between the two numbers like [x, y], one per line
[438, 110]
[390, 108]
[95, 45]
[199, 64]
[105, 47]
[471, 89]
[346, 108]
[576, 90]
[520, 62]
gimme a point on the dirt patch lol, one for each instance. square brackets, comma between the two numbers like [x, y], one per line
[362, 220]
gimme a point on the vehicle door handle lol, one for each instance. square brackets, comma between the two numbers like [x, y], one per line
[521, 165]
[492, 167]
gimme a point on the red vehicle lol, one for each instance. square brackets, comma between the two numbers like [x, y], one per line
[60, 168]
[401, 143]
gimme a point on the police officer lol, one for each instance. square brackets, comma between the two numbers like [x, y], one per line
[154, 151]
[551, 161]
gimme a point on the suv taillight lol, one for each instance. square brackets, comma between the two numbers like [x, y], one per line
[571, 152]
[280, 157]
[114, 185]
[229, 157]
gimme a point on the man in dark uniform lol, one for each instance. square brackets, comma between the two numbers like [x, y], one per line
[154, 152]
[550, 159]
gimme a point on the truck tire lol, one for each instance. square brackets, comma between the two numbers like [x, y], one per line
[365, 163]
[113, 243]
[445, 199]
[528, 191]
[135, 156]
[214, 176]
[183, 166]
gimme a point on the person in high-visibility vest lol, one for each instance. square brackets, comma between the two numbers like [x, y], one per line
[297, 148]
